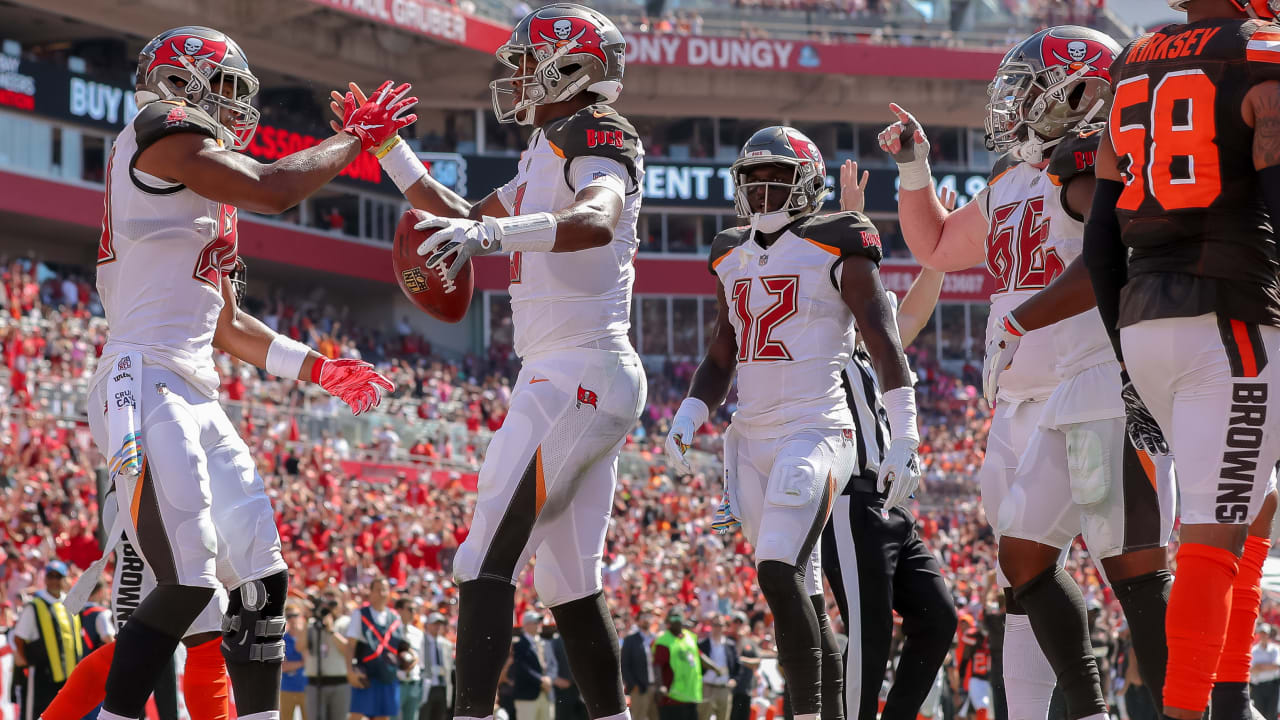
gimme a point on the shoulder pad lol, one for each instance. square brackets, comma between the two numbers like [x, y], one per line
[843, 234]
[1263, 52]
[167, 117]
[1076, 154]
[724, 243]
[598, 131]
[1004, 164]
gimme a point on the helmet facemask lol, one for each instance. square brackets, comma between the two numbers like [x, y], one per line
[801, 198]
[230, 101]
[1029, 112]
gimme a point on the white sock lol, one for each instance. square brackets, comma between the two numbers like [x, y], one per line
[464, 717]
[1028, 678]
[264, 715]
[809, 716]
[624, 715]
[111, 716]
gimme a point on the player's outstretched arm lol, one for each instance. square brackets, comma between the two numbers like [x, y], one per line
[708, 388]
[917, 305]
[246, 337]
[225, 176]
[938, 239]
[410, 175]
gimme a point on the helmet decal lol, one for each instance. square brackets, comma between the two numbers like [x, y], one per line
[193, 47]
[578, 32]
[805, 149]
[1076, 53]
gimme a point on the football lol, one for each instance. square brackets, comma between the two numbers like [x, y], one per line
[426, 287]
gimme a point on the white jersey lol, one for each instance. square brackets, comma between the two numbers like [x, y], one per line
[565, 300]
[162, 254]
[794, 332]
[1031, 238]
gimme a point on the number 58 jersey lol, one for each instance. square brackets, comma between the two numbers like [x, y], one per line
[163, 253]
[794, 331]
[1191, 211]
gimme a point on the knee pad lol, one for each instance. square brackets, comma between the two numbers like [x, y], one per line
[1090, 464]
[253, 628]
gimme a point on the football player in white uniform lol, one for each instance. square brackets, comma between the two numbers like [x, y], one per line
[1059, 462]
[185, 480]
[790, 288]
[568, 221]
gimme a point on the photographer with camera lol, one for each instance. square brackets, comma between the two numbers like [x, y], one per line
[328, 692]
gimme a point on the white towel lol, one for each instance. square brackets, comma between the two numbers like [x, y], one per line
[124, 417]
[124, 426]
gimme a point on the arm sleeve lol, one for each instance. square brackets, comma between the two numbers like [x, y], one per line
[595, 171]
[1105, 257]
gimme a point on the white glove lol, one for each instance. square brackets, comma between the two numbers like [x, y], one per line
[906, 142]
[899, 472]
[691, 415]
[461, 238]
[1000, 349]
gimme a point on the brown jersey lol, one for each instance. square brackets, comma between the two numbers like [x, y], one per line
[1191, 213]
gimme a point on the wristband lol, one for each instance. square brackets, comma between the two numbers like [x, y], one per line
[285, 357]
[695, 410]
[1013, 326]
[402, 165]
[900, 406]
[317, 369]
[915, 175]
[535, 232]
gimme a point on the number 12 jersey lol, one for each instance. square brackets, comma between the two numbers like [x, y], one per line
[1191, 211]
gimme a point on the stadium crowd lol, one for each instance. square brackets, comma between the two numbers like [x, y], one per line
[341, 527]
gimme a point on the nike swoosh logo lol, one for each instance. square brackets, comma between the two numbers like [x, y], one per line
[538, 380]
[366, 126]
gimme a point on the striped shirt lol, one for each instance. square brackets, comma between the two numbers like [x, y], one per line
[863, 395]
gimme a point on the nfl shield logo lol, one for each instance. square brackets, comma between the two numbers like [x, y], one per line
[764, 259]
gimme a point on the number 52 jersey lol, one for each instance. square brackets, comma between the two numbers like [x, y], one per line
[1191, 211]
[794, 331]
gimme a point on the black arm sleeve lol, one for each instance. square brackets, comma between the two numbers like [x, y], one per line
[1269, 182]
[1106, 258]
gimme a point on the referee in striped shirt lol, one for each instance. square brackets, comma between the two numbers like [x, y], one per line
[875, 561]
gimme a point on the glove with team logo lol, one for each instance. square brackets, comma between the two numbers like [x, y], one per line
[691, 415]
[724, 521]
[354, 382]
[1000, 349]
[906, 142]
[377, 120]
[1144, 431]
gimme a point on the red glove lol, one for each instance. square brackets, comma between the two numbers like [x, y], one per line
[354, 382]
[379, 118]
